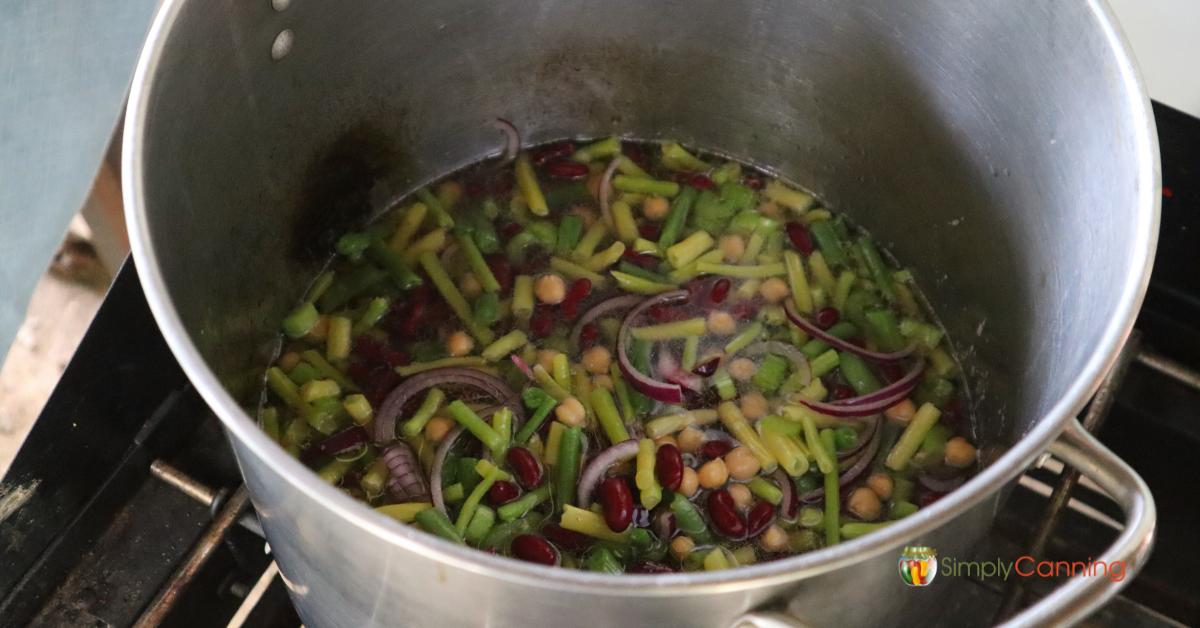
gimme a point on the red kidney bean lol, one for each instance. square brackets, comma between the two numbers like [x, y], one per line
[542, 322]
[841, 391]
[566, 170]
[510, 230]
[649, 567]
[724, 515]
[534, 549]
[745, 310]
[569, 540]
[707, 367]
[501, 269]
[754, 182]
[642, 260]
[650, 231]
[617, 500]
[578, 291]
[661, 313]
[525, 466]
[800, 238]
[502, 492]
[701, 182]
[827, 317]
[589, 334]
[552, 152]
[668, 465]
[720, 290]
[893, 372]
[928, 497]
[759, 517]
[715, 448]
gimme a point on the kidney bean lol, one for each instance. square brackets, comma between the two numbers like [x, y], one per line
[724, 515]
[650, 231]
[569, 540]
[589, 334]
[503, 492]
[754, 182]
[641, 260]
[566, 170]
[501, 269]
[841, 391]
[893, 372]
[542, 322]
[578, 291]
[552, 152]
[715, 449]
[617, 500]
[701, 182]
[745, 310]
[826, 317]
[534, 549]
[510, 230]
[800, 238]
[707, 367]
[720, 290]
[759, 517]
[668, 466]
[525, 466]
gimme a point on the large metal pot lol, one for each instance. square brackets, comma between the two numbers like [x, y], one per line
[1003, 149]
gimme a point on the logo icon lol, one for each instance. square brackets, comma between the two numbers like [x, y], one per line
[918, 565]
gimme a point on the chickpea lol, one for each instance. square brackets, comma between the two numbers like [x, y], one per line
[773, 539]
[470, 286]
[666, 440]
[721, 323]
[742, 464]
[288, 361]
[742, 369]
[774, 290]
[741, 495]
[586, 215]
[603, 381]
[770, 209]
[681, 547]
[713, 474]
[550, 289]
[882, 484]
[754, 406]
[864, 504]
[545, 359]
[959, 453]
[690, 483]
[597, 360]
[570, 412]
[320, 330]
[449, 193]
[459, 344]
[902, 412]
[732, 247]
[437, 428]
[690, 440]
[655, 208]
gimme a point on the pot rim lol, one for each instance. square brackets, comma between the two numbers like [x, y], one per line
[988, 481]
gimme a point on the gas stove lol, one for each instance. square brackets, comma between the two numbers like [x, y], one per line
[124, 505]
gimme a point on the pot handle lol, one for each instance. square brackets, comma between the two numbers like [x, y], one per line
[1081, 595]
[1075, 600]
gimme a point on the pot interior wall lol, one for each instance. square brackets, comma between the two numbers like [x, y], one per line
[984, 146]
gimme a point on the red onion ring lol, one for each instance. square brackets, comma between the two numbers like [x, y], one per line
[871, 403]
[622, 451]
[788, 505]
[406, 481]
[336, 443]
[600, 309]
[606, 190]
[672, 372]
[393, 405]
[656, 390]
[439, 462]
[811, 329]
[512, 138]
[793, 355]
[940, 485]
[856, 469]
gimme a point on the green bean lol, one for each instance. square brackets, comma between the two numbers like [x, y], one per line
[506, 344]
[827, 240]
[502, 424]
[394, 264]
[535, 421]
[486, 309]
[761, 271]
[858, 374]
[334, 470]
[520, 507]
[467, 418]
[854, 529]
[433, 401]
[436, 209]
[516, 248]
[832, 496]
[337, 342]
[902, 509]
[454, 493]
[605, 258]
[640, 185]
[569, 230]
[352, 245]
[744, 338]
[914, 433]
[637, 271]
[409, 225]
[723, 382]
[319, 286]
[566, 468]
[845, 282]
[547, 381]
[318, 389]
[575, 271]
[472, 502]
[677, 158]
[748, 221]
[770, 373]
[545, 232]
[879, 272]
[371, 315]
[824, 363]
[349, 286]
[735, 422]
[826, 461]
[269, 420]
[883, 329]
[842, 329]
[624, 222]
[730, 171]
[692, 270]
[590, 240]
[434, 242]
[783, 195]
[690, 248]
[449, 291]
[676, 218]
[621, 388]
[602, 560]
[301, 320]
[925, 335]
[522, 300]
[691, 351]
[434, 521]
[600, 149]
[503, 534]
[484, 233]
[765, 490]
[421, 367]
[374, 479]
[608, 417]
[798, 282]
[481, 524]
[478, 265]
[689, 520]
[640, 285]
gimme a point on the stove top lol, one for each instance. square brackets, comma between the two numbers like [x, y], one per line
[123, 506]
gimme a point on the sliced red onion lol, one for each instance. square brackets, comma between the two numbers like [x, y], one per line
[622, 451]
[872, 403]
[336, 443]
[439, 462]
[656, 390]
[863, 439]
[811, 329]
[406, 481]
[670, 370]
[615, 304]
[521, 364]
[606, 190]
[865, 457]
[393, 405]
[664, 525]
[512, 138]
[788, 351]
[788, 506]
[940, 485]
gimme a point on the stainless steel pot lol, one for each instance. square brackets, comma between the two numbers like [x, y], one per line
[1003, 149]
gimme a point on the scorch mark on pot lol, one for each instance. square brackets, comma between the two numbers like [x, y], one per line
[12, 498]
